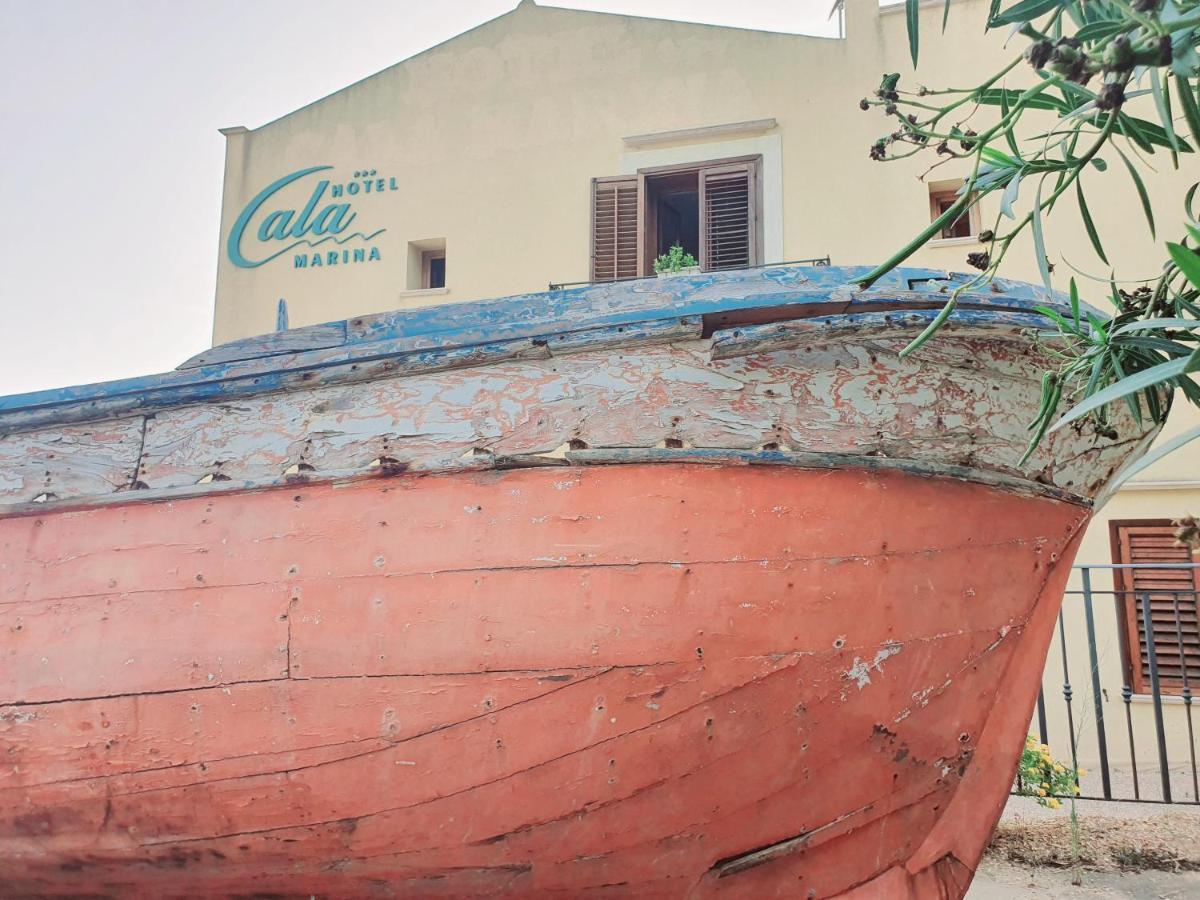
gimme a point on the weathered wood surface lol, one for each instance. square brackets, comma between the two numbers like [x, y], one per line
[70, 461]
[657, 680]
[792, 360]
[817, 386]
[723, 298]
[290, 340]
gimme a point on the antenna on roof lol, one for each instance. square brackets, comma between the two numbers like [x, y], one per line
[839, 9]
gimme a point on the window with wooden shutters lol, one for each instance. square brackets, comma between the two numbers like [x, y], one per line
[728, 212]
[1171, 592]
[616, 222]
[710, 209]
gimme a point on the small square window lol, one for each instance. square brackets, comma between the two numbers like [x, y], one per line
[426, 265]
[942, 196]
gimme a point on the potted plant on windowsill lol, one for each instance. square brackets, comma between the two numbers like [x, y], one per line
[676, 262]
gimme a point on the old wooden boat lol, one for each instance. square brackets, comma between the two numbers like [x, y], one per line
[672, 587]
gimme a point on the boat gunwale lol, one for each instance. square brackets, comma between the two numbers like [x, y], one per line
[389, 351]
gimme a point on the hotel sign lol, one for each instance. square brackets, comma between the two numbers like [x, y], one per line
[315, 234]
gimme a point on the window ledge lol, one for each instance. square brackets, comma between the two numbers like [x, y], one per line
[1167, 699]
[424, 292]
[953, 242]
[704, 132]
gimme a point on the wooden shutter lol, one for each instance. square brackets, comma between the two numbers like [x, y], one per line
[729, 220]
[614, 228]
[1176, 647]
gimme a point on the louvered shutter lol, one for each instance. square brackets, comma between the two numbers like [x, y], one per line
[729, 216]
[1176, 645]
[614, 228]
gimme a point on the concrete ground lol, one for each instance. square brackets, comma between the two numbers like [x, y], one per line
[999, 880]
[1137, 851]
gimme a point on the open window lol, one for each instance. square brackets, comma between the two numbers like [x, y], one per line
[711, 209]
[1159, 575]
[942, 196]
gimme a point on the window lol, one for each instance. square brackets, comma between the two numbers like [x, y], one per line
[943, 195]
[1176, 644]
[710, 209]
[433, 269]
[427, 265]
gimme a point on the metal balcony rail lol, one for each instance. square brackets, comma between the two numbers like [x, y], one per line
[815, 261]
[1148, 622]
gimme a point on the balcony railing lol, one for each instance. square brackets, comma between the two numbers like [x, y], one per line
[815, 261]
[1146, 751]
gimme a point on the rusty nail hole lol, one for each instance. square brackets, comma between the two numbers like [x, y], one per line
[963, 738]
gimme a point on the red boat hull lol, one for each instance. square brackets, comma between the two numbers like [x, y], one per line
[653, 680]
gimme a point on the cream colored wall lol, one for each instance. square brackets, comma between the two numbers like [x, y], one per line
[494, 136]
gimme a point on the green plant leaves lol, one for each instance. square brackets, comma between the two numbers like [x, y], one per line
[1025, 11]
[1010, 195]
[1039, 244]
[1187, 102]
[1187, 262]
[912, 15]
[1150, 342]
[1088, 225]
[1094, 31]
[1164, 111]
[1141, 190]
[931, 329]
[1131, 384]
[1003, 96]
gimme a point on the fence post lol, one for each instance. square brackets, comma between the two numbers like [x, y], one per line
[1101, 739]
[1043, 732]
[1068, 693]
[1156, 696]
[1187, 696]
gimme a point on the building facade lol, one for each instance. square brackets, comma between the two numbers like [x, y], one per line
[553, 146]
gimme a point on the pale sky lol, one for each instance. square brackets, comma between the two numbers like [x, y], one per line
[112, 164]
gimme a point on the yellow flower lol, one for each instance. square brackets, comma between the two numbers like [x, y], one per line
[1081, 772]
[1041, 792]
[1032, 772]
[1059, 768]
[1053, 803]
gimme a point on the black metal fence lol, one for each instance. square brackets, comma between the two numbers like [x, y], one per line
[1142, 758]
